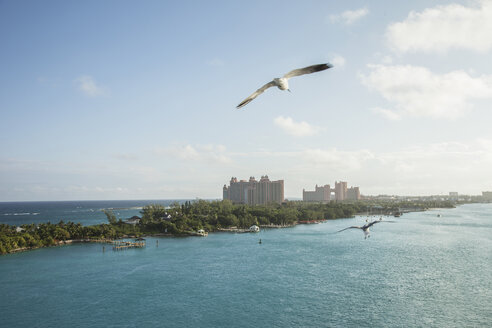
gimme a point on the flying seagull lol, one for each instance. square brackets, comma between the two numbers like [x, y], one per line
[283, 82]
[365, 227]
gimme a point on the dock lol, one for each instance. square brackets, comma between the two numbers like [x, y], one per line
[119, 245]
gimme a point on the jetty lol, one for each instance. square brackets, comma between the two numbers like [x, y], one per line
[119, 245]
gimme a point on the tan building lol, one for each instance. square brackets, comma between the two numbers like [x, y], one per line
[487, 195]
[320, 194]
[326, 194]
[340, 190]
[254, 192]
[353, 193]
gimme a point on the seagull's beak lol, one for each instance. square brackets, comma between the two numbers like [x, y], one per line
[289, 90]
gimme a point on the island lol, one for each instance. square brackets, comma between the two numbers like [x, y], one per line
[194, 218]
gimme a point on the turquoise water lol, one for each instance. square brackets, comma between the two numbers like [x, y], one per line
[422, 271]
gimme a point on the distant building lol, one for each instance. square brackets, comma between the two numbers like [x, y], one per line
[353, 193]
[320, 194]
[254, 192]
[133, 220]
[340, 190]
[487, 195]
[325, 193]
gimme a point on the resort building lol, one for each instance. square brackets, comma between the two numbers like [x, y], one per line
[487, 195]
[325, 193]
[254, 192]
[340, 190]
[353, 193]
[320, 194]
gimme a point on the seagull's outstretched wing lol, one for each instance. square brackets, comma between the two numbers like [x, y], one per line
[372, 223]
[307, 70]
[352, 227]
[256, 94]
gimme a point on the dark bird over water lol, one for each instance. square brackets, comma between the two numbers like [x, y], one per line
[283, 82]
[365, 227]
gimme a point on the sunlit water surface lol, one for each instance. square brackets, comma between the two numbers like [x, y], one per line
[422, 271]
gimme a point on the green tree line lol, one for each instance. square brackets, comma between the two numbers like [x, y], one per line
[181, 219]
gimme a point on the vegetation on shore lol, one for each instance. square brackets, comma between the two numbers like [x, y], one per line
[182, 219]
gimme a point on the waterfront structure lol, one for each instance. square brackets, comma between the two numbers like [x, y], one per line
[325, 193]
[487, 195]
[254, 228]
[253, 192]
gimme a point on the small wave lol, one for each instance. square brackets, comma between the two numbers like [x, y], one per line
[15, 214]
[122, 208]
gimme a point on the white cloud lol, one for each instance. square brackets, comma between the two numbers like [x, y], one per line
[297, 129]
[416, 91]
[441, 28]
[200, 153]
[187, 153]
[333, 159]
[338, 61]
[387, 60]
[88, 86]
[388, 114]
[350, 16]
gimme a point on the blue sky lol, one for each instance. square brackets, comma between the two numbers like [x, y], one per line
[136, 100]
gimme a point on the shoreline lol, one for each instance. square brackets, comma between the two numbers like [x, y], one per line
[58, 243]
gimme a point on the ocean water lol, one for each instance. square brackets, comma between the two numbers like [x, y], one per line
[85, 212]
[421, 271]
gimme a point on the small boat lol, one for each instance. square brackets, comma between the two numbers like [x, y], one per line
[202, 233]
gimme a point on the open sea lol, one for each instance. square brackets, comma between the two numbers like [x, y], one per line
[421, 271]
[85, 212]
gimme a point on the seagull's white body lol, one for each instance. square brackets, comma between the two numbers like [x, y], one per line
[283, 82]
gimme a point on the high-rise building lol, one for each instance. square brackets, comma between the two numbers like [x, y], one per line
[254, 192]
[320, 194]
[340, 190]
[353, 193]
[324, 193]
